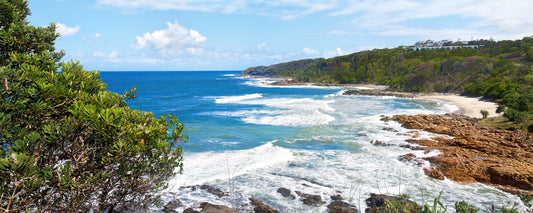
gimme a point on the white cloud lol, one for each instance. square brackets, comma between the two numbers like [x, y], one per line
[334, 53]
[93, 38]
[261, 46]
[98, 54]
[64, 30]
[174, 39]
[509, 18]
[309, 51]
[113, 54]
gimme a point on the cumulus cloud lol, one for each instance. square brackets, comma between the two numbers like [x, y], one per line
[309, 51]
[261, 46]
[174, 39]
[334, 53]
[64, 30]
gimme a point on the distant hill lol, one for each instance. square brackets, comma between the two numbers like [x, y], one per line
[499, 70]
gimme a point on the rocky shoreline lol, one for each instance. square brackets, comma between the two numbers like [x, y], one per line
[375, 203]
[474, 153]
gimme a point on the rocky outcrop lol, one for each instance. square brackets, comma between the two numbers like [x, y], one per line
[260, 207]
[310, 200]
[475, 153]
[172, 206]
[211, 208]
[286, 193]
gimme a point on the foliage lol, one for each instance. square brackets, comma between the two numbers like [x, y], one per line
[69, 145]
[463, 207]
[484, 113]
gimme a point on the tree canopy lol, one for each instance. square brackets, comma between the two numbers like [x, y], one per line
[68, 144]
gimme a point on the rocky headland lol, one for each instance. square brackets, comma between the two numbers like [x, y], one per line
[474, 153]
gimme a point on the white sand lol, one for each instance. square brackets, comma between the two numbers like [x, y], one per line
[468, 106]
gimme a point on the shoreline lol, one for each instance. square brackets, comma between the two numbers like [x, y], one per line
[468, 106]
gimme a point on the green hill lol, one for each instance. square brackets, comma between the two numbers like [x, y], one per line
[499, 70]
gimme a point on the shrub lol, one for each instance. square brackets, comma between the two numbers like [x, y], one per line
[69, 145]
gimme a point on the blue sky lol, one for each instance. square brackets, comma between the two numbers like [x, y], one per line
[174, 35]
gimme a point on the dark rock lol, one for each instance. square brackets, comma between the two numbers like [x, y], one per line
[338, 206]
[172, 206]
[411, 158]
[211, 208]
[376, 204]
[213, 190]
[310, 200]
[260, 207]
[336, 198]
[390, 129]
[286, 193]
[190, 210]
[378, 143]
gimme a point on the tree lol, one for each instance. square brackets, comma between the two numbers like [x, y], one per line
[67, 144]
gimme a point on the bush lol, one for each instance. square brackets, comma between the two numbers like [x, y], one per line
[484, 113]
[69, 145]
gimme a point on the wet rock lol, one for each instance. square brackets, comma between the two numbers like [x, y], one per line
[411, 158]
[338, 206]
[378, 143]
[190, 210]
[390, 129]
[310, 200]
[172, 206]
[219, 193]
[377, 203]
[211, 208]
[336, 198]
[434, 173]
[260, 207]
[286, 193]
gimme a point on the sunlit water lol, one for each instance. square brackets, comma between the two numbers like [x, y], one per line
[248, 139]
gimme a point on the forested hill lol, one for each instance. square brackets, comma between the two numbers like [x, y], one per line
[500, 70]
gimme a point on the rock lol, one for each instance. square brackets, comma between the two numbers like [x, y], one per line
[286, 193]
[260, 207]
[376, 204]
[189, 210]
[219, 193]
[338, 206]
[434, 173]
[378, 143]
[336, 198]
[172, 206]
[411, 158]
[475, 153]
[211, 208]
[310, 200]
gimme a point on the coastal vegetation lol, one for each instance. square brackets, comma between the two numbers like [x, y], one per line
[68, 144]
[499, 70]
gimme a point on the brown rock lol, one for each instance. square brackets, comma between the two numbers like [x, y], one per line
[310, 200]
[286, 193]
[475, 153]
[260, 207]
[338, 206]
[211, 208]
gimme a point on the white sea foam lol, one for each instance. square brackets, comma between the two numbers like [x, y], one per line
[201, 168]
[282, 111]
[236, 99]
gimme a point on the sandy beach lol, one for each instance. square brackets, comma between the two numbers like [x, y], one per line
[468, 106]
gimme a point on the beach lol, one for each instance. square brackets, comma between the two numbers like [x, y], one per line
[469, 106]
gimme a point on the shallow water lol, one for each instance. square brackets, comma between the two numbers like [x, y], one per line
[248, 139]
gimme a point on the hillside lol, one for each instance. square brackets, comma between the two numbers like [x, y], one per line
[502, 71]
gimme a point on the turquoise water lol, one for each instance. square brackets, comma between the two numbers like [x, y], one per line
[248, 139]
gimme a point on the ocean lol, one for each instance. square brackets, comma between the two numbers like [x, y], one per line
[248, 138]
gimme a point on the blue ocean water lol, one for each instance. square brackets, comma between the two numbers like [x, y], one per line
[249, 138]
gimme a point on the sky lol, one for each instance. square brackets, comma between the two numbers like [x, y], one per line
[182, 35]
